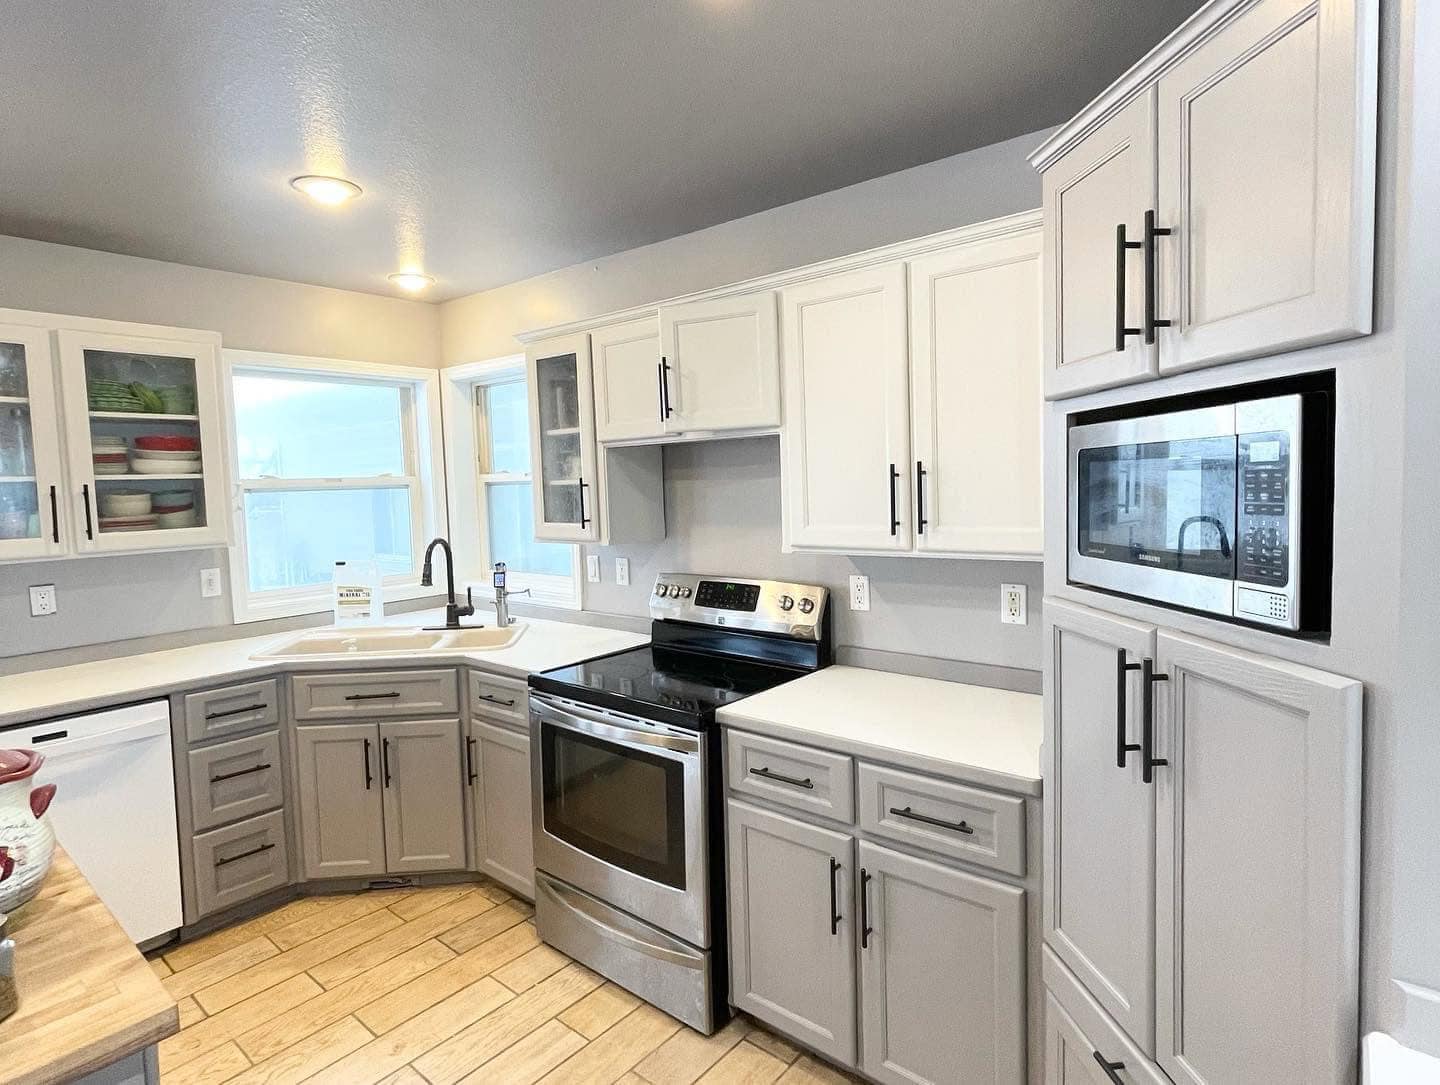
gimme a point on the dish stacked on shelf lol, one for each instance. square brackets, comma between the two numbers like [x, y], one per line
[174, 508]
[111, 455]
[160, 454]
[108, 395]
[127, 510]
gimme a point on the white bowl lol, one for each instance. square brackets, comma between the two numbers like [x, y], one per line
[164, 467]
[184, 518]
[162, 454]
[124, 503]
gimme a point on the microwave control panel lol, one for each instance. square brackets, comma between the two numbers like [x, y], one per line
[1265, 502]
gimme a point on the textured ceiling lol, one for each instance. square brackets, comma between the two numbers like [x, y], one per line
[496, 141]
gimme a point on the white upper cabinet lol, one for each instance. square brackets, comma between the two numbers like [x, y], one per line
[562, 439]
[145, 441]
[975, 389]
[629, 389]
[33, 498]
[847, 411]
[1267, 180]
[720, 364]
[1239, 157]
[1095, 200]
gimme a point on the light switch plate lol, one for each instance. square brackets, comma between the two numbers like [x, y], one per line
[42, 600]
[622, 571]
[1012, 604]
[592, 568]
[209, 583]
[859, 593]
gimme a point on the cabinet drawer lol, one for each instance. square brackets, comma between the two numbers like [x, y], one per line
[240, 861]
[796, 776]
[499, 699]
[951, 820]
[375, 695]
[235, 779]
[1079, 1034]
[215, 713]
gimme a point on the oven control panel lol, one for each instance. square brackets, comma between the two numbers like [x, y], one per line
[769, 606]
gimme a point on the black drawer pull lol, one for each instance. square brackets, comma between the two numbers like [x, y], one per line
[496, 700]
[242, 772]
[469, 760]
[954, 826]
[236, 711]
[1110, 1068]
[806, 783]
[49, 736]
[369, 779]
[865, 929]
[373, 696]
[244, 855]
[835, 916]
[385, 761]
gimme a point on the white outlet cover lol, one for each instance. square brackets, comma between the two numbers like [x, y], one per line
[622, 571]
[1012, 604]
[859, 593]
[42, 600]
[209, 583]
[592, 568]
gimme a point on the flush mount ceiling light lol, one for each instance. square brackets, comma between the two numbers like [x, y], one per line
[413, 281]
[330, 191]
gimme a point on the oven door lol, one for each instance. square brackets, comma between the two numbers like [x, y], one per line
[619, 811]
[1152, 507]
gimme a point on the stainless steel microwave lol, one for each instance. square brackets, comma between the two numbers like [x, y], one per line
[1211, 509]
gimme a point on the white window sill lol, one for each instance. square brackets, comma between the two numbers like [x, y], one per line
[294, 606]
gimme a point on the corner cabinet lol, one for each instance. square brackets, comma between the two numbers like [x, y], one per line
[1152, 239]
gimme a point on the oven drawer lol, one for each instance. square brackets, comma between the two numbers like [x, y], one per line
[235, 779]
[502, 700]
[950, 820]
[375, 695]
[215, 713]
[240, 861]
[795, 776]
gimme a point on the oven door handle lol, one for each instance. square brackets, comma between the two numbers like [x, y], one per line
[582, 908]
[612, 729]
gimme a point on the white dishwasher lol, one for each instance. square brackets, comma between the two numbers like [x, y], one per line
[114, 808]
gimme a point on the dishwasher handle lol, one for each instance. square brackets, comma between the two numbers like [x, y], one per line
[65, 742]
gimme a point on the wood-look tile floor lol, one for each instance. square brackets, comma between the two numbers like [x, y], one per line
[442, 984]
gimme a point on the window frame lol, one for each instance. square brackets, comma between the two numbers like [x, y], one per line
[424, 476]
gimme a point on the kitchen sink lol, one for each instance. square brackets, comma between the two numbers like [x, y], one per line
[387, 641]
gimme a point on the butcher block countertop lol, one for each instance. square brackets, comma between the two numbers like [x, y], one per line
[87, 997]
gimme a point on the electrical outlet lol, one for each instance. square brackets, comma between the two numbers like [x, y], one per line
[622, 571]
[859, 593]
[592, 568]
[209, 583]
[42, 600]
[1012, 604]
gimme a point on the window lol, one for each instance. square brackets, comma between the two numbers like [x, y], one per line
[332, 461]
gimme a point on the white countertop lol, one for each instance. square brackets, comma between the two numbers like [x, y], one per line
[61, 691]
[977, 734]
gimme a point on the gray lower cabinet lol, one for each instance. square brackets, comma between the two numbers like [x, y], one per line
[423, 790]
[792, 927]
[340, 800]
[240, 861]
[942, 973]
[500, 762]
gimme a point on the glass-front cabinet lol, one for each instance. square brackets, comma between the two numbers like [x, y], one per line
[144, 441]
[562, 439]
[32, 495]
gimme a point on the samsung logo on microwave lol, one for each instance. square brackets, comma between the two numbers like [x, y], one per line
[1137, 555]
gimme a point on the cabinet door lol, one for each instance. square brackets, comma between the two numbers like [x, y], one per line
[846, 466]
[1258, 864]
[1099, 817]
[423, 778]
[942, 973]
[1093, 288]
[629, 395]
[1267, 178]
[32, 491]
[562, 439]
[342, 814]
[723, 360]
[975, 317]
[792, 927]
[1073, 1058]
[145, 442]
[502, 806]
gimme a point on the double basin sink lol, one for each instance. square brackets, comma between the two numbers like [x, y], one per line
[391, 641]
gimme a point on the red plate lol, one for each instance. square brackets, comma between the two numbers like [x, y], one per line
[158, 509]
[160, 443]
[110, 457]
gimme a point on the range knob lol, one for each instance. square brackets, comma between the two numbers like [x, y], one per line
[807, 605]
[685, 593]
[786, 602]
[660, 590]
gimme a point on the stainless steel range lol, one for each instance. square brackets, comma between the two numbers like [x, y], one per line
[629, 876]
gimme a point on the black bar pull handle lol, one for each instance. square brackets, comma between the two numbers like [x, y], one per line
[865, 929]
[1122, 246]
[781, 778]
[85, 500]
[1151, 233]
[920, 520]
[835, 916]
[223, 776]
[939, 823]
[48, 736]
[368, 778]
[244, 854]
[584, 520]
[1122, 671]
[385, 760]
[1148, 678]
[470, 760]
[235, 711]
[894, 501]
[496, 700]
[665, 409]
[660, 385]
[54, 515]
[391, 695]
[1110, 1068]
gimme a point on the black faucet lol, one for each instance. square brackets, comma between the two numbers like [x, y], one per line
[453, 610]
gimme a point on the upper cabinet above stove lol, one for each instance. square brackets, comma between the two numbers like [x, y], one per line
[1218, 201]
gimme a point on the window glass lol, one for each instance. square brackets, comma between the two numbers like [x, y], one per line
[293, 538]
[317, 427]
[512, 533]
[508, 432]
